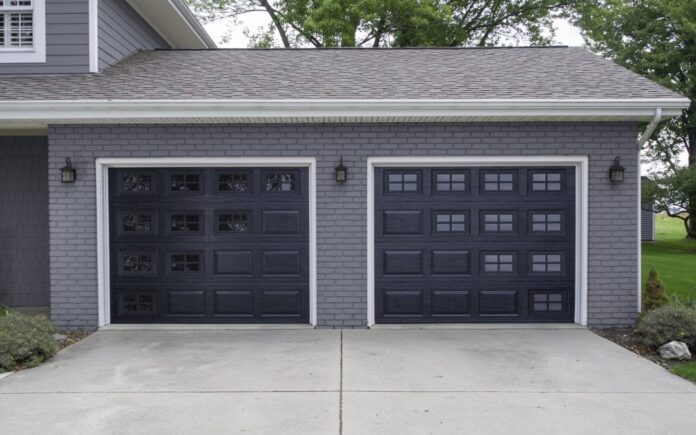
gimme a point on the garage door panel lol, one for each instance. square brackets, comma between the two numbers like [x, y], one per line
[209, 245]
[403, 303]
[450, 303]
[474, 242]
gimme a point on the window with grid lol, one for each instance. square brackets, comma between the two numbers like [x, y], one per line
[546, 222]
[450, 181]
[499, 262]
[16, 23]
[498, 223]
[403, 182]
[545, 262]
[546, 181]
[450, 222]
[498, 182]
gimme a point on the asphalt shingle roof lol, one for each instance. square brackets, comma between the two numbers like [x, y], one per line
[500, 73]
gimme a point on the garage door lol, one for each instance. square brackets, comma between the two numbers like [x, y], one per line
[209, 245]
[474, 244]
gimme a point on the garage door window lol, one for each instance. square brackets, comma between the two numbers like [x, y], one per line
[234, 222]
[546, 222]
[185, 222]
[137, 263]
[498, 182]
[450, 222]
[137, 183]
[185, 263]
[280, 182]
[185, 183]
[450, 181]
[403, 182]
[547, 302]
[547, 262]
[499, 262]
[138, 222]
[498, 222]
[233, 182]
[546, 181]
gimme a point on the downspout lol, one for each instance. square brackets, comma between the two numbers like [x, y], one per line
[641, 141]
[651, 128]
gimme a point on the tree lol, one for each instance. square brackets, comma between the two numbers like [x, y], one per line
[392, 23]
[657, 39]
[654, 292]
[676, 189]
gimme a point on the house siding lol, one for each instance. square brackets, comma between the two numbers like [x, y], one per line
[123, 32]
[341, 209]
[24, 221]
[67, 41]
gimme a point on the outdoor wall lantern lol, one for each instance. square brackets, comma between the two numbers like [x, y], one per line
[341, 172]
[616, 172]
[67, 172]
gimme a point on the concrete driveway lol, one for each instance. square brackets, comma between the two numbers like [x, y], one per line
[353, 381]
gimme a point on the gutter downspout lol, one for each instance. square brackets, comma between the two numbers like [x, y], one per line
[651, 128]
[641, 141]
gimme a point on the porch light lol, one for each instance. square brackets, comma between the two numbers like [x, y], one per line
[616, 172]
[341, 172]
[67, 172]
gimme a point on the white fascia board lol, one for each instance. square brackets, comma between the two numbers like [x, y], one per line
[158, 111]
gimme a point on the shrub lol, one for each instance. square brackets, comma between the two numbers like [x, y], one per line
[654, 292]
[25, 341]
[668, 323]
[4, 311]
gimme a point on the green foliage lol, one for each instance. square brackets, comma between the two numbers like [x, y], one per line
[25, 341]
[676, 188]
[670, 322]
[395, 23]
[4, 311]
[686, 370]
[654, 292]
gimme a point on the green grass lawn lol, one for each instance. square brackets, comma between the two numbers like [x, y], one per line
[673, 257]
[685, 370]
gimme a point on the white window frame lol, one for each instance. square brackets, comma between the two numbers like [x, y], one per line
[37, 52]
[102, 166]
[581, 165]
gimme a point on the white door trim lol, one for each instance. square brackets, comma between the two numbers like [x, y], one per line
[580, 163]
[102, 186]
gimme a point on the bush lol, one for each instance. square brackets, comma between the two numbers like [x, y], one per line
[671, 322]
[654, 292]
[25, 341]
[4, 311]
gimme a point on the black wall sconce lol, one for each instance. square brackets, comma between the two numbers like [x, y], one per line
[616, 172]
[341, 172]
[67, 172]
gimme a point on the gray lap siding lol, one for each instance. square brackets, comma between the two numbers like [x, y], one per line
[341, 209]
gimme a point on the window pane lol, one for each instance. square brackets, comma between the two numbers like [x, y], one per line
[443, 187]
[458, 177]
[553, 177]
[443, 178]
[539, 177]
[394, 178]
[410, 177]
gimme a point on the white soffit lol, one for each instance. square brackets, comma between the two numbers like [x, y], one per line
[175, 22]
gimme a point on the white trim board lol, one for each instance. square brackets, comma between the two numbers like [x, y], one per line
[580, 163]
[102, 188]
[93, 36]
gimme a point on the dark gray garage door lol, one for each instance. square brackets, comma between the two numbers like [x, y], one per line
[474, 244]
[209, 245]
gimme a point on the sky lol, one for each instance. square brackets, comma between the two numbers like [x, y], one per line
[566, 33]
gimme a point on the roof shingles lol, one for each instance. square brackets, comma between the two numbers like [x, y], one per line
[503, 73]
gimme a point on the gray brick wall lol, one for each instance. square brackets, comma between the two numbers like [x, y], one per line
[24, 221]
[341, 209]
